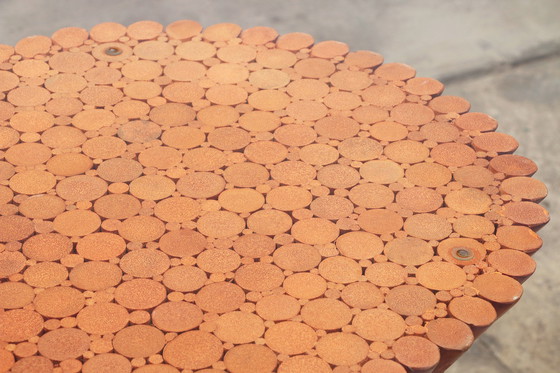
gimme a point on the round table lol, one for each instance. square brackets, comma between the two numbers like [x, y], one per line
[183, 199]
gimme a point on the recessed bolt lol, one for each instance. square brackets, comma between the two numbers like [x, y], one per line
[113, 51]
[462, 253]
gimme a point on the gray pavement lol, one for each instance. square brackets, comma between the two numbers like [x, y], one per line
[502, 55]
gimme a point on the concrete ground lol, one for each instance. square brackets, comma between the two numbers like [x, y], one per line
[502, 55]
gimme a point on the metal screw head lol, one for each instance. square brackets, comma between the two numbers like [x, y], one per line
[113, 51]
[462, 253]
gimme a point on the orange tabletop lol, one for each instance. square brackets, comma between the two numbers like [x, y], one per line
[179, 199]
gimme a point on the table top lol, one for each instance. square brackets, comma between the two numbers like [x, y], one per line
[222, 199]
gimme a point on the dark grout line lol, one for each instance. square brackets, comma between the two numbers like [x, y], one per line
[500, 67]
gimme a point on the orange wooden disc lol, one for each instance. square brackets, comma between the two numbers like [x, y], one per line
[513, 165]
[297, 257]
[526, 213]
[416, 352]
[524, 188]
[290, 337]
[95, 275]
[473, 226]
[450, 104]
[329, 348]
[512, 262]
[429, 175]
[143, 30]
[408, 251]
[28, 96]
[33, 45]
[183, 29]
[409, 300]
[395, 71]
[468, 201]
[441, 276]
[184, 278]
[59, 302]
[423, 86]
[64, 343]
[239, 327]
[440, 131]
[474, 176]
[498, 288]
[304, 363]
[326, 314]
[386, 274]
[450, 334]
[476, 122]
[495, 142]
[382, 365]
[419, 199]
[453, 154]
[295, 41]
[305, 285]
[428, 227]
[45, 274]
[193, 350]
[108, 31]
[461, 251]
[118, 363]
[259, 276]
[250, 357]
[314, 68]
[519, 238]
[15, 295]
[473, 311]
[153, 293]
[363, 295]
[102, 318]
[220, 297]
[19, 325]
[277, 307]
[175, 317]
